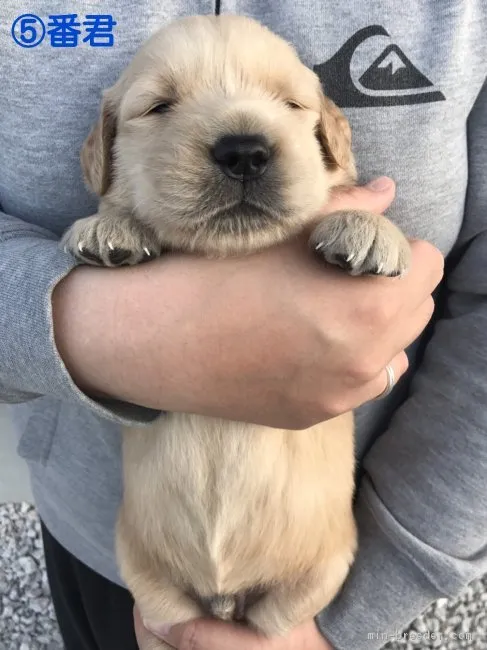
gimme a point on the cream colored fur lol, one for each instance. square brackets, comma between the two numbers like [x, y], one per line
[213, 507]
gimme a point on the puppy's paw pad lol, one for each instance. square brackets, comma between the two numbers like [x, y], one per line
[362, 244]
[343, 262]
[118, 255]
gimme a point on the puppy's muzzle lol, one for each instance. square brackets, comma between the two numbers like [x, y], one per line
[242, 157]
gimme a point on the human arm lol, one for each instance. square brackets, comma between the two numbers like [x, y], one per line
[224, 337]
[168, 335]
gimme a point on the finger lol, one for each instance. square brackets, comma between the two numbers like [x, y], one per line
[375, 388]
[414, 328]
[205, 634]
[427, 262]
[374, 197]
[411, 291]
[425, 273]
[385, 381]
[414, 325]
[145, 639]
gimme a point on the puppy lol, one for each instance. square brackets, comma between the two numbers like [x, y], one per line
[217, 140]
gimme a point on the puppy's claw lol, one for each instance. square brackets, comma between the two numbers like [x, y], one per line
[148, 255]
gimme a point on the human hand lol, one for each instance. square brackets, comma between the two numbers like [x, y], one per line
[275, 338]
[205, 634]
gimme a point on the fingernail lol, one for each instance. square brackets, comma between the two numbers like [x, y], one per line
[160, 630]
[380, 184]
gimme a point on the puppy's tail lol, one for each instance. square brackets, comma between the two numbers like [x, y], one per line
[228, 607]
[222, 606]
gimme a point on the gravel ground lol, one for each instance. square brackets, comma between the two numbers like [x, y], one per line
[27, 620]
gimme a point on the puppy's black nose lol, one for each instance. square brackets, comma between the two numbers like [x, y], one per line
[242, 157]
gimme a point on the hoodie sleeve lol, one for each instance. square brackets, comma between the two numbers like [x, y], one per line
[422, 503]
[31, 264]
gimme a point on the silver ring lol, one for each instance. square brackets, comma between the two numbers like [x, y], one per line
[391, 382]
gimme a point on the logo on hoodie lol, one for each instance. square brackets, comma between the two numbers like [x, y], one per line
[391, 79]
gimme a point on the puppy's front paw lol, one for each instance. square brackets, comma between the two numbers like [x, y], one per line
[103, 240]
[362, 243]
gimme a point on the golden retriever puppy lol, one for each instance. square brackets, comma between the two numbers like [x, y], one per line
[217, 140]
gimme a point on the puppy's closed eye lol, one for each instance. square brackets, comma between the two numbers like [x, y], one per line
[161, 107]
[296, 106]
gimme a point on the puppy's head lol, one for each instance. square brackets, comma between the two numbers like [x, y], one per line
[218, 137]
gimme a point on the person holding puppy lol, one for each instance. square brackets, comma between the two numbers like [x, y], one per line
[116, 347]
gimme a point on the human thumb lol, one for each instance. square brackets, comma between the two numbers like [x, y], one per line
[375, 197]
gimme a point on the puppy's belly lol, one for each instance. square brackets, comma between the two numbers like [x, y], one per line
[226, 507]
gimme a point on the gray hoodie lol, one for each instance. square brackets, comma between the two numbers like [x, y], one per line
[410, 76]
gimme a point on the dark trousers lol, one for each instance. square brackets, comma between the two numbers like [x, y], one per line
[93, 613]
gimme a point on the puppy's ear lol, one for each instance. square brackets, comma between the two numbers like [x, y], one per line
[96, 152]
[335, 136]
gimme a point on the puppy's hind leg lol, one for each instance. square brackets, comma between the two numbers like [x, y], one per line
[286, 606]
[160, 600]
